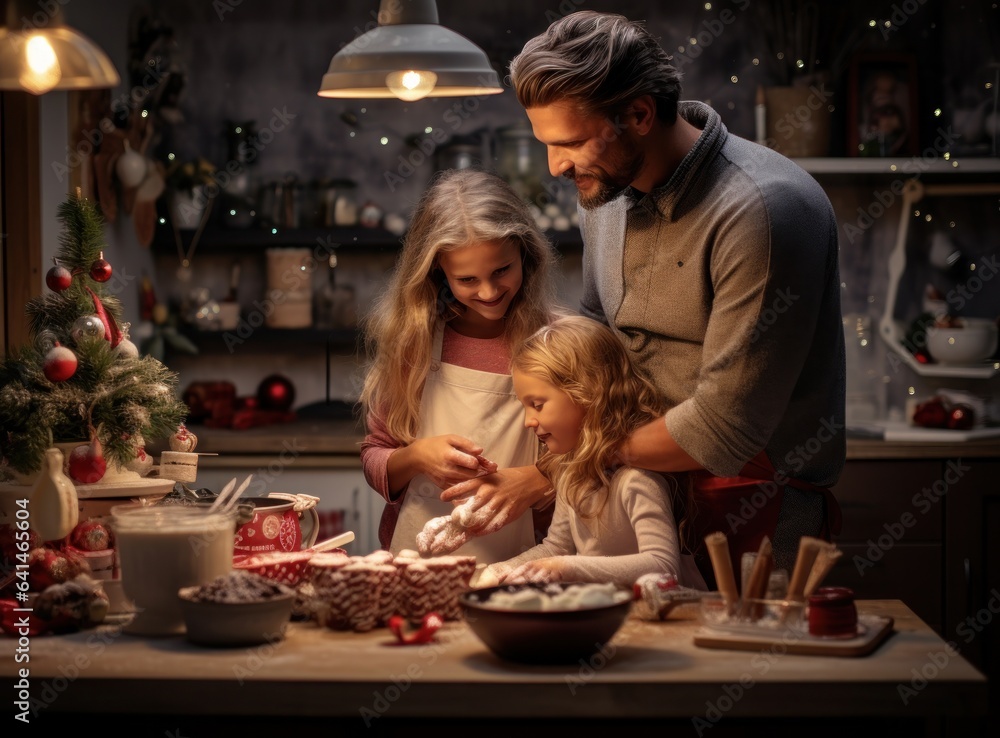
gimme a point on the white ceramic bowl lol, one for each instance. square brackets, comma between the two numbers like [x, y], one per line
[973, 340]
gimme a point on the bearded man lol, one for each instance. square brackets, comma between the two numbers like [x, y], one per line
[715, 261]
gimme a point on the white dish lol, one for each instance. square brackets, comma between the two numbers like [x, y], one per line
[130, 488]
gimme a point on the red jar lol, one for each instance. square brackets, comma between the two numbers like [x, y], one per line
[832, 613]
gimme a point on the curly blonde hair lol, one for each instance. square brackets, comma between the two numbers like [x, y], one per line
[461, 207]
[585, 359]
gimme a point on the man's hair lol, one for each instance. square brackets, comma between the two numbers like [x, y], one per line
[600, 62]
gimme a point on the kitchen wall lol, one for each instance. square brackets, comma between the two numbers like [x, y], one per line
[262, 61]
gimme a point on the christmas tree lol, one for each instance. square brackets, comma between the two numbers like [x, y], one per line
[80, 378]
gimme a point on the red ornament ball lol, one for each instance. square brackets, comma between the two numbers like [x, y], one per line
[87, 464]
[60, 364]
[90, 535]
[961, 417]
[47, 566]
[58, 278]
[275, 393]
[100, 270]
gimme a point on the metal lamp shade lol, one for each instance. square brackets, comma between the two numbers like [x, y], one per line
[79, 64]
[404, 40]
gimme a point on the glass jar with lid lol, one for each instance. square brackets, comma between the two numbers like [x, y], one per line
[523, 162]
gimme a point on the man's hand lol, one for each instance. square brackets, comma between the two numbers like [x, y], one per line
[539, 571]
[445, 460]
[500, 497]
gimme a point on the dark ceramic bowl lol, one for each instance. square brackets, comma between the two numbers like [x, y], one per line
[542, 636]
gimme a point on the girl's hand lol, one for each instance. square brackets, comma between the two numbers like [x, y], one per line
[501, 497]
[448, 460]
[539, 571]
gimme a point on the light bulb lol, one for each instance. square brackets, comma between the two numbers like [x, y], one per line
[42, 71]
[411, 84]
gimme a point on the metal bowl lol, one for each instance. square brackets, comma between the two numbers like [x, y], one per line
[542, 636]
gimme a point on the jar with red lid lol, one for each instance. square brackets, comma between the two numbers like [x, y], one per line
[832, 613]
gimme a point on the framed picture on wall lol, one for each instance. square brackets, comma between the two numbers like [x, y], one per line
[882, 105]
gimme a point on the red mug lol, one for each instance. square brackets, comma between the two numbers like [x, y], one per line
[281, 522]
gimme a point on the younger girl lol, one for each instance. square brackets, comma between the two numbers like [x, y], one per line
[582, 398]
[473, 280]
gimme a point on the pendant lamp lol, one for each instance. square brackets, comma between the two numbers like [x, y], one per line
[409, 55]
[38, 53]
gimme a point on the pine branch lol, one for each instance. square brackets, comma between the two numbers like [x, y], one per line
[82, 238]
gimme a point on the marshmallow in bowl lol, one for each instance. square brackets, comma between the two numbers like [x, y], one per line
[552, 597]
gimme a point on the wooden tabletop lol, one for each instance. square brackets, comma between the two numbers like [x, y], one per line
[650, 670]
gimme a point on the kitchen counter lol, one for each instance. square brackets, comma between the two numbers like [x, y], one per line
[650, 671]
[336, 444]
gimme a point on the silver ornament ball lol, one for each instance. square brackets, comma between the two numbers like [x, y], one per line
[87, 327]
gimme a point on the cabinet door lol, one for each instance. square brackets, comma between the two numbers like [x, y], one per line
[972, 570]
[891, 534]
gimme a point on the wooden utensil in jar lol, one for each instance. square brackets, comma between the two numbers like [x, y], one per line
[757, 585]
[722, 565]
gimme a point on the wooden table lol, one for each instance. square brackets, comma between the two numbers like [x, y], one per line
[650, 671]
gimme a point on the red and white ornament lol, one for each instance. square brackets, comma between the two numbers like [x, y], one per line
[100, 270]
[183, 440]
[86, 462]
[60, 364]
[90, 535]
[58, 278]
[46, 567]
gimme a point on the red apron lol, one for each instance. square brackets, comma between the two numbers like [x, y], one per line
[746, 509]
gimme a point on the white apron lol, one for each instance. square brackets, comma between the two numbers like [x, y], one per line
[482, 407]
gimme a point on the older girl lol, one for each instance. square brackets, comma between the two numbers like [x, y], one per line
[474, 279]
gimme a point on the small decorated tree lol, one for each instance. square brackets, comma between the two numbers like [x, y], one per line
[81, 379]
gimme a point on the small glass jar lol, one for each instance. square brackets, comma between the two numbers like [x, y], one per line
[342, 204]
[832, 613]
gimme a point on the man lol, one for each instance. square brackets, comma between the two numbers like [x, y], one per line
[715, 261]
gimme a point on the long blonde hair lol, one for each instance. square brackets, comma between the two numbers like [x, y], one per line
[585, 359]
[460, 208]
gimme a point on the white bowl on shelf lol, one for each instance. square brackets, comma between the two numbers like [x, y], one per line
[970, 341]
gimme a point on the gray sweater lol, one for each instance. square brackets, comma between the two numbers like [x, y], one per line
[724, 286]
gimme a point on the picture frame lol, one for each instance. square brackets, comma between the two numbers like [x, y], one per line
[882, 112]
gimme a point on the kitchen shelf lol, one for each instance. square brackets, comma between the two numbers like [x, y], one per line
[220, 240]
[216, 341]
[907, 166]
[892, 330]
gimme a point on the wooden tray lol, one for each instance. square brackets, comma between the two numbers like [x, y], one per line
[872, 630]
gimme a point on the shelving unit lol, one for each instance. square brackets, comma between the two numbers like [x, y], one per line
[220, 240]
[891, 330]
[910, 166]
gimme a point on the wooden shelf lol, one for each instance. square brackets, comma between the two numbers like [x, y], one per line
[906, 166]
[215, 341]
[220, 240]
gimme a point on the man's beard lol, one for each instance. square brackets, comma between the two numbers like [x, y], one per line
[623, 169]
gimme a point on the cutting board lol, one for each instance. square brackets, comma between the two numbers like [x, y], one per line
[873, 630]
